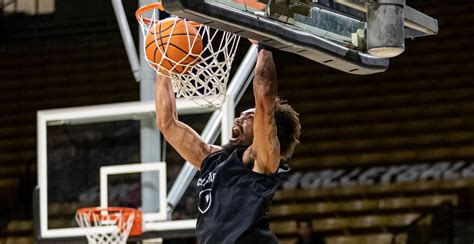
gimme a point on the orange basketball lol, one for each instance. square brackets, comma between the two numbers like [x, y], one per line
[175, 47]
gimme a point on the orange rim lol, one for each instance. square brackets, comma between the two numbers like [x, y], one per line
[110, 209]
[151, 6]
[97, 211]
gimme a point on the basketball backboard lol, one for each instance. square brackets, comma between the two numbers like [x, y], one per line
[338, 33]
[89, 157]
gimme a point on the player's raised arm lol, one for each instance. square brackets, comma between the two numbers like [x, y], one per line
[182, 137]
[265, 145]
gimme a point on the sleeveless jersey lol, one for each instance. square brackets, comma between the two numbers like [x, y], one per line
[233, 201]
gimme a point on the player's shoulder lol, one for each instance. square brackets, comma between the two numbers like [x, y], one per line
[209, 159]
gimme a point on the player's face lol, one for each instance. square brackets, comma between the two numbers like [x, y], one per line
[242, 131]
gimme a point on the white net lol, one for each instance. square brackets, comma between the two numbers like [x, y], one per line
[106, 226]
[196, 57]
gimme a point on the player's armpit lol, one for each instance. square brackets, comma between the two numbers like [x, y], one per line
[188, 143]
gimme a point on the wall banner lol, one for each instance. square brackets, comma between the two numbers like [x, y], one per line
[373, 175]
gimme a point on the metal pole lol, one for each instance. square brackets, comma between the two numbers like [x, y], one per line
[150, 140]
[239, 83]
[233, 91]
[243, 75]
[227, 119]
[127, 38]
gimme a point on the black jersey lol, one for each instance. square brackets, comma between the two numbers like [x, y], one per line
[233, 201]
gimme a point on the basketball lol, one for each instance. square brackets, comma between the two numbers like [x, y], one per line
[173, 44]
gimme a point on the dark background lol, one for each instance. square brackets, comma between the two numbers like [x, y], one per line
[419, 110]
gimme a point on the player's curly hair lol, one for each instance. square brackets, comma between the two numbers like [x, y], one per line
[288, 128]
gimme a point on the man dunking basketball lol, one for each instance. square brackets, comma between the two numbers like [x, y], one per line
[238, 180]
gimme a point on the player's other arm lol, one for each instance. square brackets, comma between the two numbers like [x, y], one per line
[265, 145]
[182, 137]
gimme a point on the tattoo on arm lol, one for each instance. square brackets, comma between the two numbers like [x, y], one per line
[271, 123]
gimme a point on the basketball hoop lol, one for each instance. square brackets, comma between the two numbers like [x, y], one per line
[202, 72]
[109, 225]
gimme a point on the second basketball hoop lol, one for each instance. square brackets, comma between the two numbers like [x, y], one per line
[110, 225]
[196, 57]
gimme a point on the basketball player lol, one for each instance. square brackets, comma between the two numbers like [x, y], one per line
[238, 180]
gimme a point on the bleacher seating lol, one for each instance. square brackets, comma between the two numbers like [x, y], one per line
[351, 206]
[384, 238]
[19, 232]
[341, 220]
[349, 224]
[363, 239]
[396, 188]
[17, 240]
